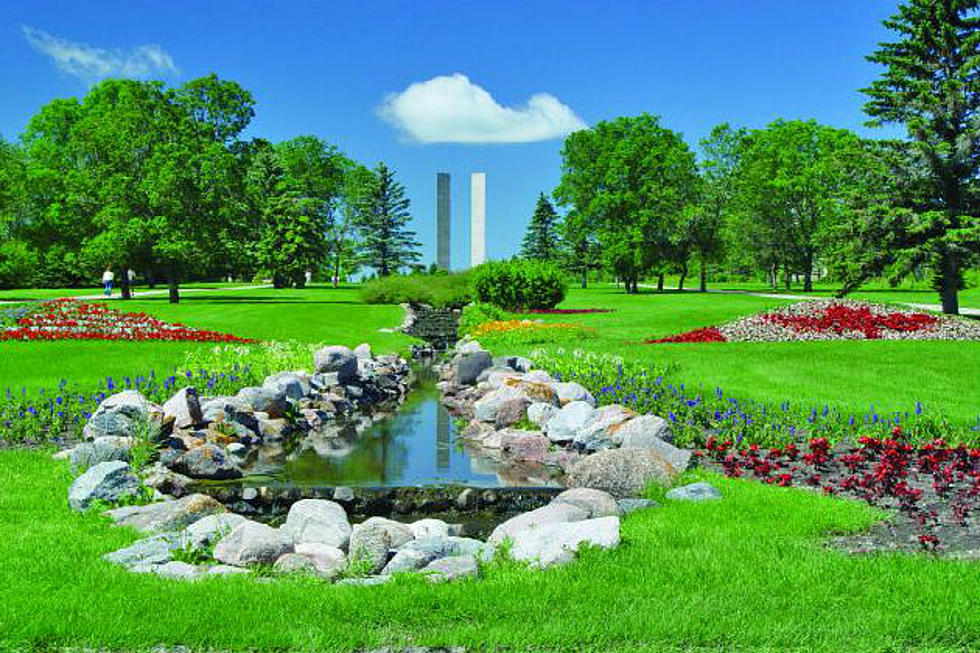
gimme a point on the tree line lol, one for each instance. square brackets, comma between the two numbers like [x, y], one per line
[797, 198]
[160, 180]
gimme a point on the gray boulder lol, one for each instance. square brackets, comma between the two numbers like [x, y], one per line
[292, 385]
[572, 418]
[121, 414]
[109, 481]
[645, 432]
[185, 408]
[572, 391]
[226, 570]
[486, 407]
[468, 366]
[549, 514]
[252, 543]
[558, 543]
[293, 563]
[208, 530]
[338, 359]
[632, 505]
[100, 450]
[369, 546]
[524, 446]
[516, 363]
[595, 502]
[177, 570]
[363, 351]
[155, 550]
[540, 412]
[429, 528]
[166, 515]
[628, 472]
[207, 461]
[317, 520]
[328, 561]
[454, 568]
[407, 560]
[602, 431]
[264, 400]
[694, 492]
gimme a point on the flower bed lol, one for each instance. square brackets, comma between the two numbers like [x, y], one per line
[934, 487]
[836, 319]
[68, 319]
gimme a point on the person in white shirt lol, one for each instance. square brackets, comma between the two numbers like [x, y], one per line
[107, 278]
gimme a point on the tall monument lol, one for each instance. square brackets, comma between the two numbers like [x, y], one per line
[443, 237]
[478, 218]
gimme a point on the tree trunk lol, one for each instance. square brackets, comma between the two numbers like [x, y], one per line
[704, 277]
[808, 272]
[634, 284]
[788, 278]
[949, 284]
[680, 282]
[660, 282]
[585, 278]
[774, 276]
[174, 290]
[124, 288]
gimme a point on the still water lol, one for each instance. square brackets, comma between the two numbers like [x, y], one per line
[417, 446]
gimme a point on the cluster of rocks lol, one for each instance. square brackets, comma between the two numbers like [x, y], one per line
[196, 536]
[215, 438]
[524, 415]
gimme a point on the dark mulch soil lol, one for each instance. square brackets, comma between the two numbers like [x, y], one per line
[932, 491]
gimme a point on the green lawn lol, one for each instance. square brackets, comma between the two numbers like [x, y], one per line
[747, 573]
[313, 315]
[852, 375]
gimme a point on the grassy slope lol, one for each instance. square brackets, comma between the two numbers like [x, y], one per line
[745, 573]
[312, 315]
[852, 375]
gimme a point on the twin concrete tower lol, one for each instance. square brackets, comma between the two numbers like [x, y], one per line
[478, 219]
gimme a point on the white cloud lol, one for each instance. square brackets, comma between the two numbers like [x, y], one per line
[90, 63]
[452, 109]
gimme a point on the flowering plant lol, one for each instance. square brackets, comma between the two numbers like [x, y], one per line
[834, 320]
[69, 319]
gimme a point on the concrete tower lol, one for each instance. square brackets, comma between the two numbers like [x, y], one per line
[478, 218]
[443, 233]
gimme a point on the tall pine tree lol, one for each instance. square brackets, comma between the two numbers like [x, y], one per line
[542, 240]
[931, 84]
[387, 244]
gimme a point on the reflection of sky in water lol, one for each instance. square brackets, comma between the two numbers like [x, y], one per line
[415, 447]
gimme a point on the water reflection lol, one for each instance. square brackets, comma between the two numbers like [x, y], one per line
[417, 446]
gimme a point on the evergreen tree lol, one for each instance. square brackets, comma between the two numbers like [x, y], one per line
[931, 84]
[387, 244]
[542, 240]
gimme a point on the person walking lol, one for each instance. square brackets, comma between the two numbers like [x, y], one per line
[107, 278]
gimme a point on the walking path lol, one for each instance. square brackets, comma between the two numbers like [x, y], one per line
[772, 295]
[166, 291]
[151, 293]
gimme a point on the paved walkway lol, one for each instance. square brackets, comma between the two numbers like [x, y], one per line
[773, 295]
[148, 293]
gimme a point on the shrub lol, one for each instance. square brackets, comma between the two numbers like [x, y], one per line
[476, 314]
[18, 264]
[438, 290]
[519, 284]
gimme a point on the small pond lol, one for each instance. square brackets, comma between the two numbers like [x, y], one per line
[417, 446]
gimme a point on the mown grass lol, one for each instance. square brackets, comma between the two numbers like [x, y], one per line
[312, 315]
[851, 375]
[747, 573]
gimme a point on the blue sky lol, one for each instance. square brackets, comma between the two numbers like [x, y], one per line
[345, 71]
